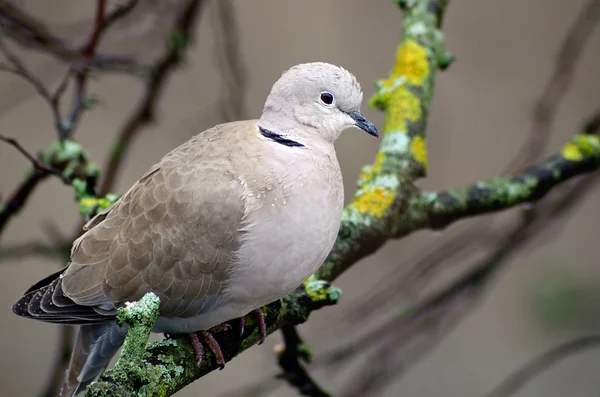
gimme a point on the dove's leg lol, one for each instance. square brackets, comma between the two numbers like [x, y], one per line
[212, 344]
[262, 327]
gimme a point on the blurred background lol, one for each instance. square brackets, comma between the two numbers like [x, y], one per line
[482, 114]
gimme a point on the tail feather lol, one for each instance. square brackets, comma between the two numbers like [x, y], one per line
[98, 338]
[94, 347]
[46, 301]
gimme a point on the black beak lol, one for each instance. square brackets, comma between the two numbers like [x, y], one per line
[364, 124]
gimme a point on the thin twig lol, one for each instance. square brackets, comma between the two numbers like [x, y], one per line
[545, 361]
[19, 69]
[547, 105]
[35, 162]
[230, 60]
[144, 113]
[30, 32]
[22, 250]
[81, 70]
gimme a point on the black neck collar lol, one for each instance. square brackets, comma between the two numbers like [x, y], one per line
[275, 137]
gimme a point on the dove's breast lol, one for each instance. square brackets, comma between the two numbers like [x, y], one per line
[290, 226]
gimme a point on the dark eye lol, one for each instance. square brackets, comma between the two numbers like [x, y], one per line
[327, 98]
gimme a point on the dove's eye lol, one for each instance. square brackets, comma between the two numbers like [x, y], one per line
[327, 98]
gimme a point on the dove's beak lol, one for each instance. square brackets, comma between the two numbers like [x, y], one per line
[364, 124]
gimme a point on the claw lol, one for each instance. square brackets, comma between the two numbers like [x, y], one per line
[262, 327]
[212, 344]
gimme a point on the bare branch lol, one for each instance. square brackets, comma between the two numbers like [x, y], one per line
[81, 70]
[564, 68]
[36, 163]
[231, 64]
[30, 32]
[288, 357]
[30, 248]
[535, 367]
[18, 68]
[181, 35]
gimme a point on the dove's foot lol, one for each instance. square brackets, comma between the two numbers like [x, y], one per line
[262, 327]
[212, 344]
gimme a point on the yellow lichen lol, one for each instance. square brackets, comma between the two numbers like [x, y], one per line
[571, 152]
[367, 172]
[418, 148]
[403, 106]
[581, 146]
[374, 202]
[411, 62]
[376, 168]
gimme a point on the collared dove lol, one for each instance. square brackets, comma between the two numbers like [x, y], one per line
[233, 219]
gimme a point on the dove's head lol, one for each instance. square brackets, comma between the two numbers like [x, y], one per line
[313, 100]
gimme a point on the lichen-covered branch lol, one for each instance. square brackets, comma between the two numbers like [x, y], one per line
[69, 159]
[161, 368]
[437, 210]
[385, 187]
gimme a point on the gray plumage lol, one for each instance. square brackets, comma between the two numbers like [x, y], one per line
[231, 220]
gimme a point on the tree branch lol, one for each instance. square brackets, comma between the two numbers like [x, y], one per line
[31, 33]
[289, 355]
[385, 200]
[557, 86]
[35, 162]
[438, 210]
[384, 188]
[66, 158]
[162, 368]
[180, 37]
[419, 328]
[535, 367]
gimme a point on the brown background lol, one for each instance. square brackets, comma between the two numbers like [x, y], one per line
[480, 116]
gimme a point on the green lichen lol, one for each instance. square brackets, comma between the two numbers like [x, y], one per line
[143, 312]
[132, 368]
[321, 291]
[90, 206]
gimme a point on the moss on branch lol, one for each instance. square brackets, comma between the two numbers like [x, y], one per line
[163, 367]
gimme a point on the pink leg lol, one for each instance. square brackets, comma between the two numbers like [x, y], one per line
[212, 344]
[262, 327]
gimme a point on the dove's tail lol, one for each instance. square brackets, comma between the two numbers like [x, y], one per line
[94, 347]
[98, 338]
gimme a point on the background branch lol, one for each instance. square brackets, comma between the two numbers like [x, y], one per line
[32, 33]
[289, 355]
[558, 84]
[180, 37]
[518, 379]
